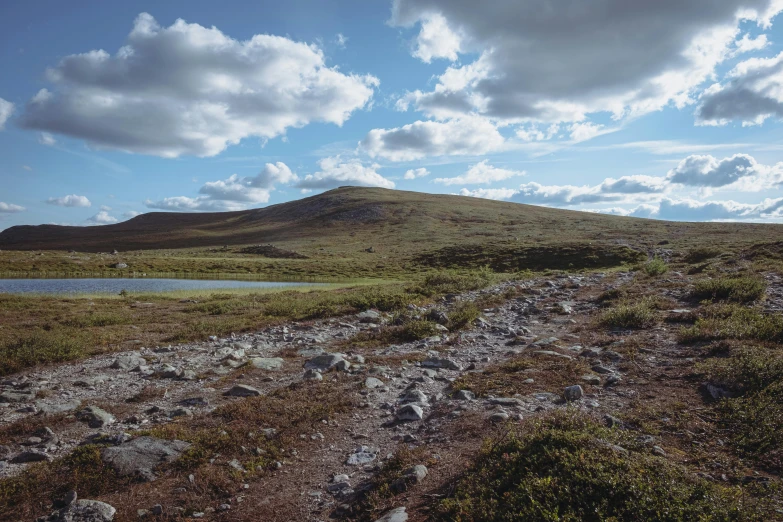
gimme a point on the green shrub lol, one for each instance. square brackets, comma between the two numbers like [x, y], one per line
[453, 281]
[629, 315]
[744, 289]
[656, 267]
[463, 315]
[700, 254]
[732, 321]
[38, 347]
[567, 468]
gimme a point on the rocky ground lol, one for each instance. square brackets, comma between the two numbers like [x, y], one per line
[420, 398]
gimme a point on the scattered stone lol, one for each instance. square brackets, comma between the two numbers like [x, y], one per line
[410, 477]
[313, 375]
[416, 396]
[410, 412]
[17, 396]
[267, 363]
[139, 457]
[325, 362]
[31, 456]
[591, 379]
[465, 395]
[438, 362]
[395, 515]
[500, 416]
[368, 316]
[127, 362]
[362, 455]
[242, 390]
[372, 383]
[47, 408]
[82, 511]
[573, 393]
[601, 369]
[95, 417]
[506, 401]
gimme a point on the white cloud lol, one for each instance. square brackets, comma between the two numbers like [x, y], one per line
[337, 172]
[341, 40]
[70, 201]
[6, 110]
[28, 168]
[131, 214]
[497, 194]
[586, 131]
[479, 173]
[9, 208]
[105, 207]
[188, 89]
[46, 139]
[465, 136]
[546, 64]
[101, 218]
[416, 173]
[738, 172]
[686, 209]
[747, 44]
[753, 93]
[233, 193]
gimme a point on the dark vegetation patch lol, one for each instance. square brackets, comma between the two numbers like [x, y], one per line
[733, 321]
[550, 373]
[271, 252]
[656, 267]
[744, 289]
[701, 254]
[568, 468]
[514, 258]
[629, 314]
[753, 416]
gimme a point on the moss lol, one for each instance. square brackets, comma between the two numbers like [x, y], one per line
[744, 289]
[567, 468]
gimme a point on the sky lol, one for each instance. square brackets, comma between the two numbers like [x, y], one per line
[668, 109]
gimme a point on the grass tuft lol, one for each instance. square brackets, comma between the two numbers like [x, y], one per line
[656, 267]
[629, 315]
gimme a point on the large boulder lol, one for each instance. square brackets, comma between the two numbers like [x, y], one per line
[139, 457]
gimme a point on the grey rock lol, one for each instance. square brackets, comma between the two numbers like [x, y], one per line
[506, 401]
[372, 383]
[82, 511]
[324, 362]
[127, 362]
[95, 417]
[591, 379]
[601, 369]
[441, 362]
[267, 363]
[242, 390]
[465, 395]
[499, 417]
[410, 412]
[410, 477]
[313, 375]
[395, 515]
[573, 393]
[47, 408]
[140, 456]
[414, 396]
[368, 316]
[17, 396]
[362, 455]
[167, 371]
[30, 456]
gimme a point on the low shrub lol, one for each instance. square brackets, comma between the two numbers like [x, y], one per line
[733, 321]
[701, 254]
[656, 267]
[629, 315]
[744, 289]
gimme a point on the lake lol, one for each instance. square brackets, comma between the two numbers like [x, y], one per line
[133, 286]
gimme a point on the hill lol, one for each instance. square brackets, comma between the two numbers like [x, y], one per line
[348, 218]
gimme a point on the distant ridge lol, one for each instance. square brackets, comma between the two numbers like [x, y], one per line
[389, 215]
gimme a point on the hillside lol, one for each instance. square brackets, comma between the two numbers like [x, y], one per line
[355, 216]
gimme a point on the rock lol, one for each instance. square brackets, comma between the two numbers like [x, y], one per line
[368, 316]
[439, 317]
[325, 362]
[242, 390]
[410, 477]
[119, 265]
[499, 417]
[267, 363]
[82, 511]
[17, 396]
[313, 375]
[167, 371]
[506, 401]
[612, 421]
[410, 412]
[550, 353]
[601, 369]
[362, 455]
[372, 383]
[395, 515]
[95, 417]
[444, 362]
[591, 379]
[140, 456]
[30, 456]
[465, 395]
[414, 396]
[573, 393]
[717, 393]
[127, 362]
[181, 412]
[46, 408]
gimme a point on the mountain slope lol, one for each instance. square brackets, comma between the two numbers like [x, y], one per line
[410, 220]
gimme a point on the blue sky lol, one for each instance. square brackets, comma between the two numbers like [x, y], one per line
[650, 109]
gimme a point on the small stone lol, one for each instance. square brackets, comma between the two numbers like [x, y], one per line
[465, 395]
[127, 362]
[324, 362]
[267, 363]
[31, 456]
[395, 515]
[657, 450]
[362, 455]
[591, 379]
[95, 417]
[438, 362]
[500, 416]
[573, 393]
[242, 390]
[372, 383]
[313, 375]
[410, 412]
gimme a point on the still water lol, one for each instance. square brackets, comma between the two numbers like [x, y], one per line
[133, 286]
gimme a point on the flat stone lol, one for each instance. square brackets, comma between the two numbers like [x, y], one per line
[464, 395]
[242, 390]
[506, 401]
[47, 408]
[95, 417]
[395, 515]
[362, 455]
[267, 363]
[313, 375]
[550, 353]
[591, 379]
[30, 456]
[372, 383]
[324, 362]
[127, 362]
[82, 511]
[441, 362]
[414, 396]
[140, 456]
[499, 417]
[17, 396]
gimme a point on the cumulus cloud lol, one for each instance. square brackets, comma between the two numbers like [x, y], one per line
[101, 218]
[131, 214]
[497, 194]
[46, 139]
[548, 65]
[471, 135]
[189, 89]
[686, 209]
[337, 172]
[416, 173]
[9, 208]
[479, 173]
[740, 172]
[753, 93]
[747, 44]
[6, 109]
[70, 201]
[233, 193]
